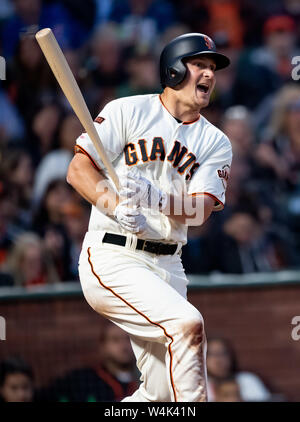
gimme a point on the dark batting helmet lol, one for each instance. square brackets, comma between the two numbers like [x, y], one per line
[172, 69]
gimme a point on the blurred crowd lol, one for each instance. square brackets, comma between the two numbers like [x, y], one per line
[113, 47]
[115, 376]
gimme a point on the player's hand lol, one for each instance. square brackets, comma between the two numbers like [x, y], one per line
[140, 191]
[130, 217]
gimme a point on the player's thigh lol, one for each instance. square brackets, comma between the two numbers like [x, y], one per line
[122, 288]
[176, 273]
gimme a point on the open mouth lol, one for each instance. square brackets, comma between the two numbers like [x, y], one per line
[203, 88]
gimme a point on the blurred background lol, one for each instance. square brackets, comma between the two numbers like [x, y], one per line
[243, 263]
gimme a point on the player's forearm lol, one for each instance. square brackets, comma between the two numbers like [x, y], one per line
[91, 184]
[189, 210]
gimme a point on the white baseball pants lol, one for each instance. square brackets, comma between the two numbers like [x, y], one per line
[145, 295]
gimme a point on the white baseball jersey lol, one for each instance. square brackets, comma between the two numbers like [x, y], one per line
[193, 157]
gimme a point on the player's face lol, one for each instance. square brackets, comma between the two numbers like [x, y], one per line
[199, 82]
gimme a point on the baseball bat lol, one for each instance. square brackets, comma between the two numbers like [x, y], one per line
[68, 84]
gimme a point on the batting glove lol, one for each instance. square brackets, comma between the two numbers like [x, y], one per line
[129, 217]
[140, 191]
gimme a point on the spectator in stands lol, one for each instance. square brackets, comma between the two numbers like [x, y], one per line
[227, 390]
[142, 75]
[29, 78]
[29, 263]
[75, 219]
[141, 21]
[84, 12]
[279, 156]
[279, 151]
[49, 221]
[58, 246]
[263, 70]
[75, 60]
[16, 381]
[105, 66]
[54, 165]
[110, 380]
[49, 210]
[237, 124]
[194, 15]
[225, 18]
[246, 173]
[44, 131]
[194, 253]
[17, 171]
[292, 8]
[31, 15]
[6, 9]
[247, 245]
[221, 364]
[103, 10]
[11, 225]
[222, 95]
[11, 123]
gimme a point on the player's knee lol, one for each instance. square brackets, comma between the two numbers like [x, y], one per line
[192, 319]
[193, 328]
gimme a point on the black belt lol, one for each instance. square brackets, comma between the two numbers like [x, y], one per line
[157, 248]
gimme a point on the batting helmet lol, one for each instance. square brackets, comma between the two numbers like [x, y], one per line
[172, 69]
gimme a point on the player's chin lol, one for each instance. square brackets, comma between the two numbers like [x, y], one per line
[202, 103]
[202, 100]
[205, 103]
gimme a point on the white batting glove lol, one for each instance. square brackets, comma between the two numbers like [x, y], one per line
[140, 191]
[130, 218]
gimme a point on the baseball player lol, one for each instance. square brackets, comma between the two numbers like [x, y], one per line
[173, 167]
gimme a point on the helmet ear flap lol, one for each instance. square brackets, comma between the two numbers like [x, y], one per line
[175, 73]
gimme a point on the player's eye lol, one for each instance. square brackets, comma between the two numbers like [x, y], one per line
[201, 65]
